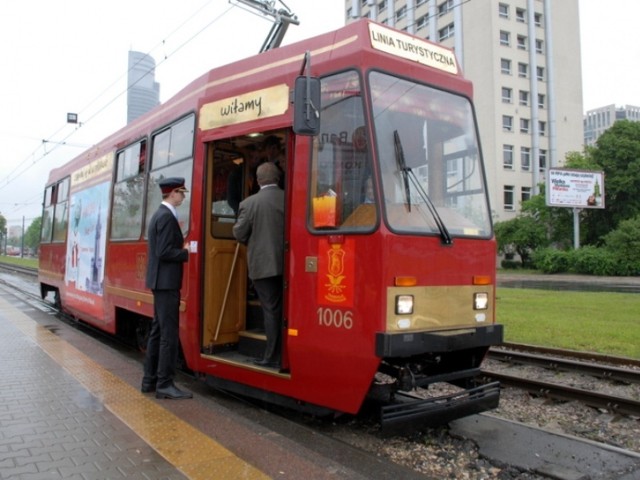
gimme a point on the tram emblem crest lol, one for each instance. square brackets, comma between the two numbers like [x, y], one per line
[335, 274]
[337, 270]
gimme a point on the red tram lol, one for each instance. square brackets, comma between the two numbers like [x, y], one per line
[389, 279]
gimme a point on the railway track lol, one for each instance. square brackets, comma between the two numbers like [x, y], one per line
[10, 267]
[561, 361]
[569, 354]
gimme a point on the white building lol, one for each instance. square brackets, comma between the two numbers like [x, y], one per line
[598, 120]
[523, 57]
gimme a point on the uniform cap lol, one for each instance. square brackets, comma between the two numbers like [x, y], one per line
[168, 185]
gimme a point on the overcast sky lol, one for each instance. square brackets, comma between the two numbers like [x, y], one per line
[64, 56]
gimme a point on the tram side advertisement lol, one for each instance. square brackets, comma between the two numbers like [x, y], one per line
[575, 188]
[86, 239]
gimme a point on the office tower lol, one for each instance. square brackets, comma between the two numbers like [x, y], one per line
[143, 92]
[523, 57]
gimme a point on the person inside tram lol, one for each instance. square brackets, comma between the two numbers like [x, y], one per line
[260, 226]
[273, 152]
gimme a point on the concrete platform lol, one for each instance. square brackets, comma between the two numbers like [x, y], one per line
[70, 408]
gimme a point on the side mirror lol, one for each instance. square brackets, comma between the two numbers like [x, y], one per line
[306, 106]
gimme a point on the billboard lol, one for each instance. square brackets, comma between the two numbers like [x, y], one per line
[575, 188]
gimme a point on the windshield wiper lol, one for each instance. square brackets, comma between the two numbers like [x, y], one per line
[408, 174]
[402, 167]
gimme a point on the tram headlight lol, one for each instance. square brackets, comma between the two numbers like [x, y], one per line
[480, 301]
[404, 304]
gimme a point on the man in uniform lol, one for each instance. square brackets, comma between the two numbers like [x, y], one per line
[167, 252]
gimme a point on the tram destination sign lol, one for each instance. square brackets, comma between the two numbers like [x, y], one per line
[411, 48]
[575, 188]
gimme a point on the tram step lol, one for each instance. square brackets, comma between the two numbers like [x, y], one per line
[252, 343]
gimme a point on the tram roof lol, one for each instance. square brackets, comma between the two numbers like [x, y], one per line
[363, 43]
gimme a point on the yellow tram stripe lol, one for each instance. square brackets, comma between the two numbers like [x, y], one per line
[192, 452]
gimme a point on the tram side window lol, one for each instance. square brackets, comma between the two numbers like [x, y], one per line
[128, 193]
[56, 212]
[342, 184]
[47, 214]
[172, 156]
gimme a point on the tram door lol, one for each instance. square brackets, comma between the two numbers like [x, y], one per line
[225, 281]
[232, 317]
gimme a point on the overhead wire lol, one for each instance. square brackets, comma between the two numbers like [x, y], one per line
[56, 144]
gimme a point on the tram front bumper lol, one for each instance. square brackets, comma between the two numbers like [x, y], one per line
[416, 343]
[410, 413]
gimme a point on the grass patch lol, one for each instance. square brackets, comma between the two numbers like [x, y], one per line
[600, 322]
[21, 262]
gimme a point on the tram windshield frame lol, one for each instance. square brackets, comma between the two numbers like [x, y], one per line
[430, 162]
[428, 159]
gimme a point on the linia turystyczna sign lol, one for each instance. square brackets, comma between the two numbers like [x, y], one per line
[575, 188]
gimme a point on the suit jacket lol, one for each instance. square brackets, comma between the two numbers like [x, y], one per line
[260, 226]
[166, 252]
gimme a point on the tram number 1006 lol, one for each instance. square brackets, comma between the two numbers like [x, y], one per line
[328, 317]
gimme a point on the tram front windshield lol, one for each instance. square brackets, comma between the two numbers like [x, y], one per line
[429, 179]
[430, 164]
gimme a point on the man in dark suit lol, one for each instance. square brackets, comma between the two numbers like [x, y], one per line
[167, 252]
[260, 226]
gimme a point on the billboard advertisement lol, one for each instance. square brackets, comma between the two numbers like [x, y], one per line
[575, 188]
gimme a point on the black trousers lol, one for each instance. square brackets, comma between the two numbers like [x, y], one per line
[163, 345]
[269, 292]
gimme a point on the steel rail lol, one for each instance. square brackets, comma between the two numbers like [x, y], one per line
[33, 272]
[598, 370]
[574, 354]
[621, 405]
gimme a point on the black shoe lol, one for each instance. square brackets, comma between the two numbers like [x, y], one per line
[172, 392]
[148, 388]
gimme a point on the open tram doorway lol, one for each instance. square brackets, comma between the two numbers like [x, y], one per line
[232, 324]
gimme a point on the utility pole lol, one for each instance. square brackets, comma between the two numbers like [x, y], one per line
[3, 234]
[22, 240]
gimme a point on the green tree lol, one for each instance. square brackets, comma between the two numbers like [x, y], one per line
[582, 161]
[32, 235]
[624, 244]
[617, 153]
[521, 235]
[557, 222]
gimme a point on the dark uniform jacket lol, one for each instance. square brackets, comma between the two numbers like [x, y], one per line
[166, 251]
